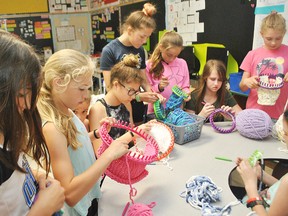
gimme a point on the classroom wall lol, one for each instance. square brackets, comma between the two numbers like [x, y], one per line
[228, 22]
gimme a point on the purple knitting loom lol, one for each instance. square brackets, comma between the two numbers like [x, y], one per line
[222, 130]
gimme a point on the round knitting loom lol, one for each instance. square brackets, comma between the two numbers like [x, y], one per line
[269, 82]
[179, 92]
[163, 136]
[176, 98]
[222, 130]
[137, 161]
[159, 110]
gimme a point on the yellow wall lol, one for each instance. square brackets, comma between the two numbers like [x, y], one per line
[23, 6]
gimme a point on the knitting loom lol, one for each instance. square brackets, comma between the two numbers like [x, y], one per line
[222, 130]
[118, 170]
[159, 110]
[270, 83]
[175, 101]
[163, 136]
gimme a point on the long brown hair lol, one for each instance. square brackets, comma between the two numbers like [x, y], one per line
[169, 40]
[210, 65]
[20, 69]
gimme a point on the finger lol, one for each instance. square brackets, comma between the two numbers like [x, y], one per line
[42, 182]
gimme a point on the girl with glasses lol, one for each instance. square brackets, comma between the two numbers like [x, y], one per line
[136, 29]
[124, 84]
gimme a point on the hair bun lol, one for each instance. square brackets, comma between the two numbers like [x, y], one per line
[131, 60]
[149, 9]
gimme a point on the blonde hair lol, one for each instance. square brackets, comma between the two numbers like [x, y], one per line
[141, 18]
[65, 65]
[169, 40]
[274, 21]
[127, 70]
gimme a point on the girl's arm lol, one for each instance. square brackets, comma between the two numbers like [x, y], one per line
[50, 197]
[236, 109]
[279, 205]
[153, 84]
[96, 114]
[106, 76]
[149, 96]
[77, 186]
[248, 82]
[249, 175]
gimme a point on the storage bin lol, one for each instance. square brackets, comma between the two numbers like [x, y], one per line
[234, 80]
[187, 133]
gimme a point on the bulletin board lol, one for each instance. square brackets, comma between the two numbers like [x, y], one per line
[97, 4]
[227, 22]
[72, 31]
[23, 6]
[35, 30]
[64, 6]
[105, 27]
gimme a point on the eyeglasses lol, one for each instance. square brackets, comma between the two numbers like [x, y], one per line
[131, 92]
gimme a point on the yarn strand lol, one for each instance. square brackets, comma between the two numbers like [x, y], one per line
[200, 192]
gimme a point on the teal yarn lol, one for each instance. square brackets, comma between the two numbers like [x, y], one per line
[179, 117]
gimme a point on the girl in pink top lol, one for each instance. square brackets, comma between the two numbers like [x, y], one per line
[271, 58]
[164, 69]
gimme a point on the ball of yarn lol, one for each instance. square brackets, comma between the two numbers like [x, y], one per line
[254, 123]
[139, 209]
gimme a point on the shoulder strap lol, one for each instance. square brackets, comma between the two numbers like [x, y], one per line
[103, 102]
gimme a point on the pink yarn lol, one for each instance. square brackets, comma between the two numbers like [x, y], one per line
[139, 209]
[254, 123]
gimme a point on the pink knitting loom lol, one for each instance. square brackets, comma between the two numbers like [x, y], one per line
[118, 169]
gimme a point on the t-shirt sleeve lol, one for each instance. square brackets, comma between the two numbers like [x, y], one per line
[142, 55]
[107, 60]
[186, 81]
[191, 104]
[151, 80]
[229, 99]
[247, 62]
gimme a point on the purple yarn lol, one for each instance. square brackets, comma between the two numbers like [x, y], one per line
[254, 123]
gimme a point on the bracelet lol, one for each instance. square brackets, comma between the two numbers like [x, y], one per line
[253, 199]
[95, 134]
[254, 203]
[137, 97]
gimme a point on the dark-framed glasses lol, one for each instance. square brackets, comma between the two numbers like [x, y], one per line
[130, 91]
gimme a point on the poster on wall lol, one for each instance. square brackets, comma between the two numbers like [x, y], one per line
[183, 17]
[105, 27]
[35, 30]
[98, 4]
[63, 6]
[263, 8]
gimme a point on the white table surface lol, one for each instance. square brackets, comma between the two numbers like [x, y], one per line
[163, 185]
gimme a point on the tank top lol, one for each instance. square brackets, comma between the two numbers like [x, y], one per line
[82, 158]
[119, 113]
